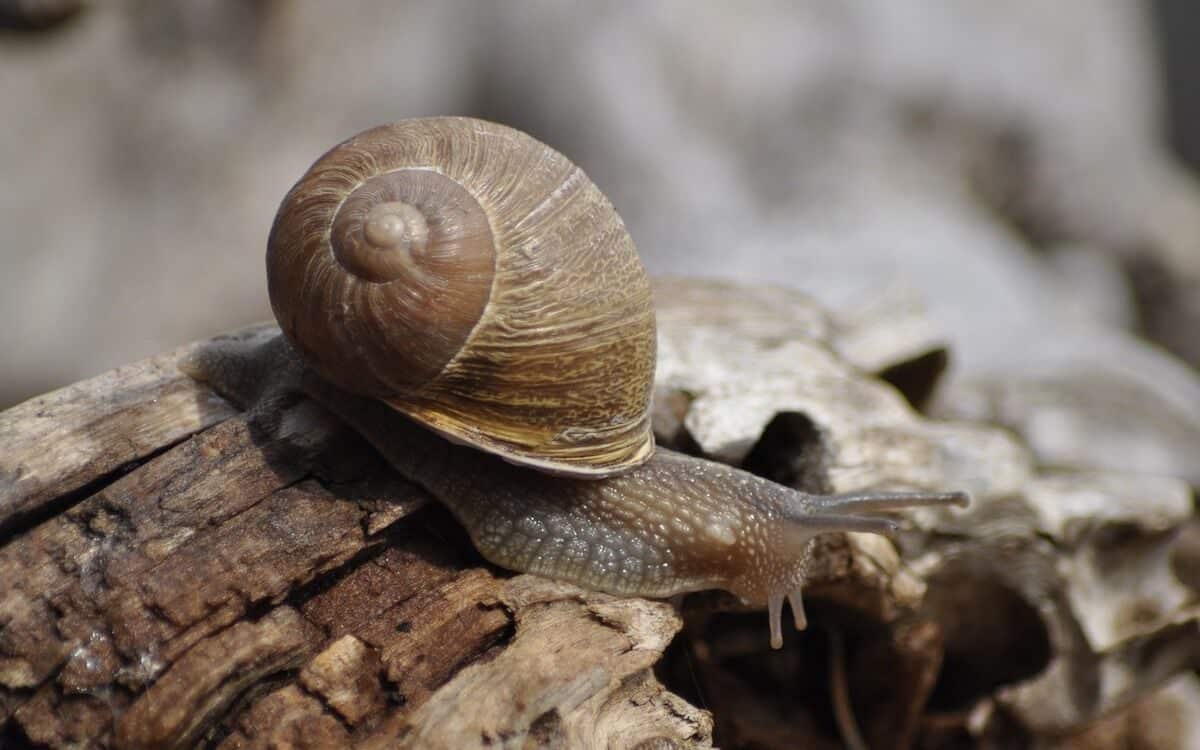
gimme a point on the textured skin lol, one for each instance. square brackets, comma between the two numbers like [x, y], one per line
[674, 524]
[541, 350]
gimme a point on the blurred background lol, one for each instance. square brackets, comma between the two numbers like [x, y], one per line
[1018, 175]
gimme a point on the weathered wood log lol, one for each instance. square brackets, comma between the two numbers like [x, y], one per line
[178, 570]
[270, 580]
[175, 572]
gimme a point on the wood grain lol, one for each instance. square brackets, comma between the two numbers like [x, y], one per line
[262, 578]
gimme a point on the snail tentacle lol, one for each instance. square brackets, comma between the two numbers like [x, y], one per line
[882, 501]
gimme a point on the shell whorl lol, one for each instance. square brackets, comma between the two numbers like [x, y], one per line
[394, 236]
[476, 280]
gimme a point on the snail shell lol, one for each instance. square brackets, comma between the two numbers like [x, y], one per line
[476, 280]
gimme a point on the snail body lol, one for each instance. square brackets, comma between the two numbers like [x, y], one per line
[521, 435]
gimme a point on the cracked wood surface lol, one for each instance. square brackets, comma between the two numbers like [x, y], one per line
[58, 443]
[176, 573]
[196, 575]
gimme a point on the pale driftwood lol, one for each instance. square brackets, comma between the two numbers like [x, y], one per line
[1168, 719]
[1055, 592]
[1141, 413]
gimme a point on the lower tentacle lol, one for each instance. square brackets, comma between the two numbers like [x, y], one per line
[775, 614]
[801, 517]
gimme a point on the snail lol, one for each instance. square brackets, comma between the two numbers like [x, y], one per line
[477, 281]
[479, 285]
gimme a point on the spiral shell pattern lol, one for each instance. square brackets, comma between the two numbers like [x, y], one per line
[477, 281]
